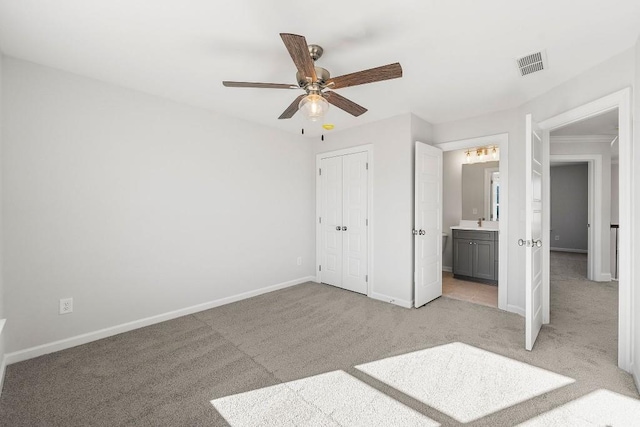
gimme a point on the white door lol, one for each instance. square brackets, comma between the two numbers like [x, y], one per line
[354, 222]
[428, 224]
[331, 225]
[533, 241]
[344, 213]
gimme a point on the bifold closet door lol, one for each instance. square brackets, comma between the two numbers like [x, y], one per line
[331, 199]
[344, 199]
[355, 203]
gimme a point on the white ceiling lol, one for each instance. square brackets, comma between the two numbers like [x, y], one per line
[458, 56]
[603, 124]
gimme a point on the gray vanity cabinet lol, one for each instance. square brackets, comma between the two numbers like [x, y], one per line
[475, 255]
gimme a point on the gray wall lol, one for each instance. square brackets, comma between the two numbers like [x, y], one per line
[2, 299]
[452, 199]
[137, 206]
[634, 233]
[569, 206]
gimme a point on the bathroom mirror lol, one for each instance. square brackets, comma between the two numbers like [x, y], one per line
[481, 191]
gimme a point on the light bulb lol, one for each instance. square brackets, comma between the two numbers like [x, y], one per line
[313, 107]
[468, 157]
[494, 153]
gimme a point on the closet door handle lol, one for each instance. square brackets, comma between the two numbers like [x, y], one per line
[415, 232]
[344, 228]
[337, 228]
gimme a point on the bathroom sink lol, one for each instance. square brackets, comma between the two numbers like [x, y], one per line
[473, 225]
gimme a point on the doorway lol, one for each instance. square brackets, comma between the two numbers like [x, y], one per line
[456, 154]
[620, 101]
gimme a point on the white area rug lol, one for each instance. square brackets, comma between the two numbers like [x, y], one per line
[600, 408]
[462, 381]
[331, 399]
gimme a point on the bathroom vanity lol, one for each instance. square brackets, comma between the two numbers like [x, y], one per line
[475, 254]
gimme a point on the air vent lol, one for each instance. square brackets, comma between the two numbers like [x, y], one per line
[532, 63]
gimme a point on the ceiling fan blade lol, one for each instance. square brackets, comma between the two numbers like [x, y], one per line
[291, 109]
[386, 72]
[344, 104]
[297, 47]
[260, 85]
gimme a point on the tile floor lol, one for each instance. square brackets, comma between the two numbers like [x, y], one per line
[477, 293]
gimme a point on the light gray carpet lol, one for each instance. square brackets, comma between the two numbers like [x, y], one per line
[167, 374]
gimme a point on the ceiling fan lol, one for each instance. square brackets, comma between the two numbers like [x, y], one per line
[316, 80]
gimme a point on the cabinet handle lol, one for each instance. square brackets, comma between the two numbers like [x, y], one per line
[344, 228]
[337, 228]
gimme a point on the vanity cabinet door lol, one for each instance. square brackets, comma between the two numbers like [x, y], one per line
[483, 259]
[463, 257]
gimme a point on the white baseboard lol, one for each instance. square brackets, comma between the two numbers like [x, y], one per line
[575, 251]
[447, 269]
[604, 277]
[30, 353]
[396, 301]
[515, 309]
[635, 375]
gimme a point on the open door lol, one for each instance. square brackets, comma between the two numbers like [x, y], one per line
[533, 242]
[428, 224]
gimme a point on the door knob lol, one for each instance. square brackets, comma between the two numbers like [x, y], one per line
[344, 228]
[415, 232]
[422, 232]
[537, 243]
[520, 242]
[471, 243]
[337, 228]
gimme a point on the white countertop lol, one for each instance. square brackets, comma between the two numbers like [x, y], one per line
[476, 228]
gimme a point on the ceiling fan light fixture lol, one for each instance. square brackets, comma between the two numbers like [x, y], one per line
[313, 107]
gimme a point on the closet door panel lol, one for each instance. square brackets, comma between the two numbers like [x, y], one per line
[355, 205]
[331, 213]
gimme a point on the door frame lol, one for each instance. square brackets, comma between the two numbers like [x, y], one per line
[368, 148]
[622, 101]
[502, 141]
[595, 230]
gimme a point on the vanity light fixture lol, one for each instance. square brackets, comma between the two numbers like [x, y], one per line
[482, 154]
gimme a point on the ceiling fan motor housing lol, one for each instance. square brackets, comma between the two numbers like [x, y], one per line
[321, 73]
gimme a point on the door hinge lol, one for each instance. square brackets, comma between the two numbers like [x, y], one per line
[366, 222]
[367, 165]
[366, 278]
[320, 171]
[319, 268]
[320, 220]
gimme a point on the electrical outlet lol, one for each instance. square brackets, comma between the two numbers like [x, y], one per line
[557, 237]
[299, 260]
[66, 305]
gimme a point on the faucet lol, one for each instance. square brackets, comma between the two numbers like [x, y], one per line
[479, 222]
